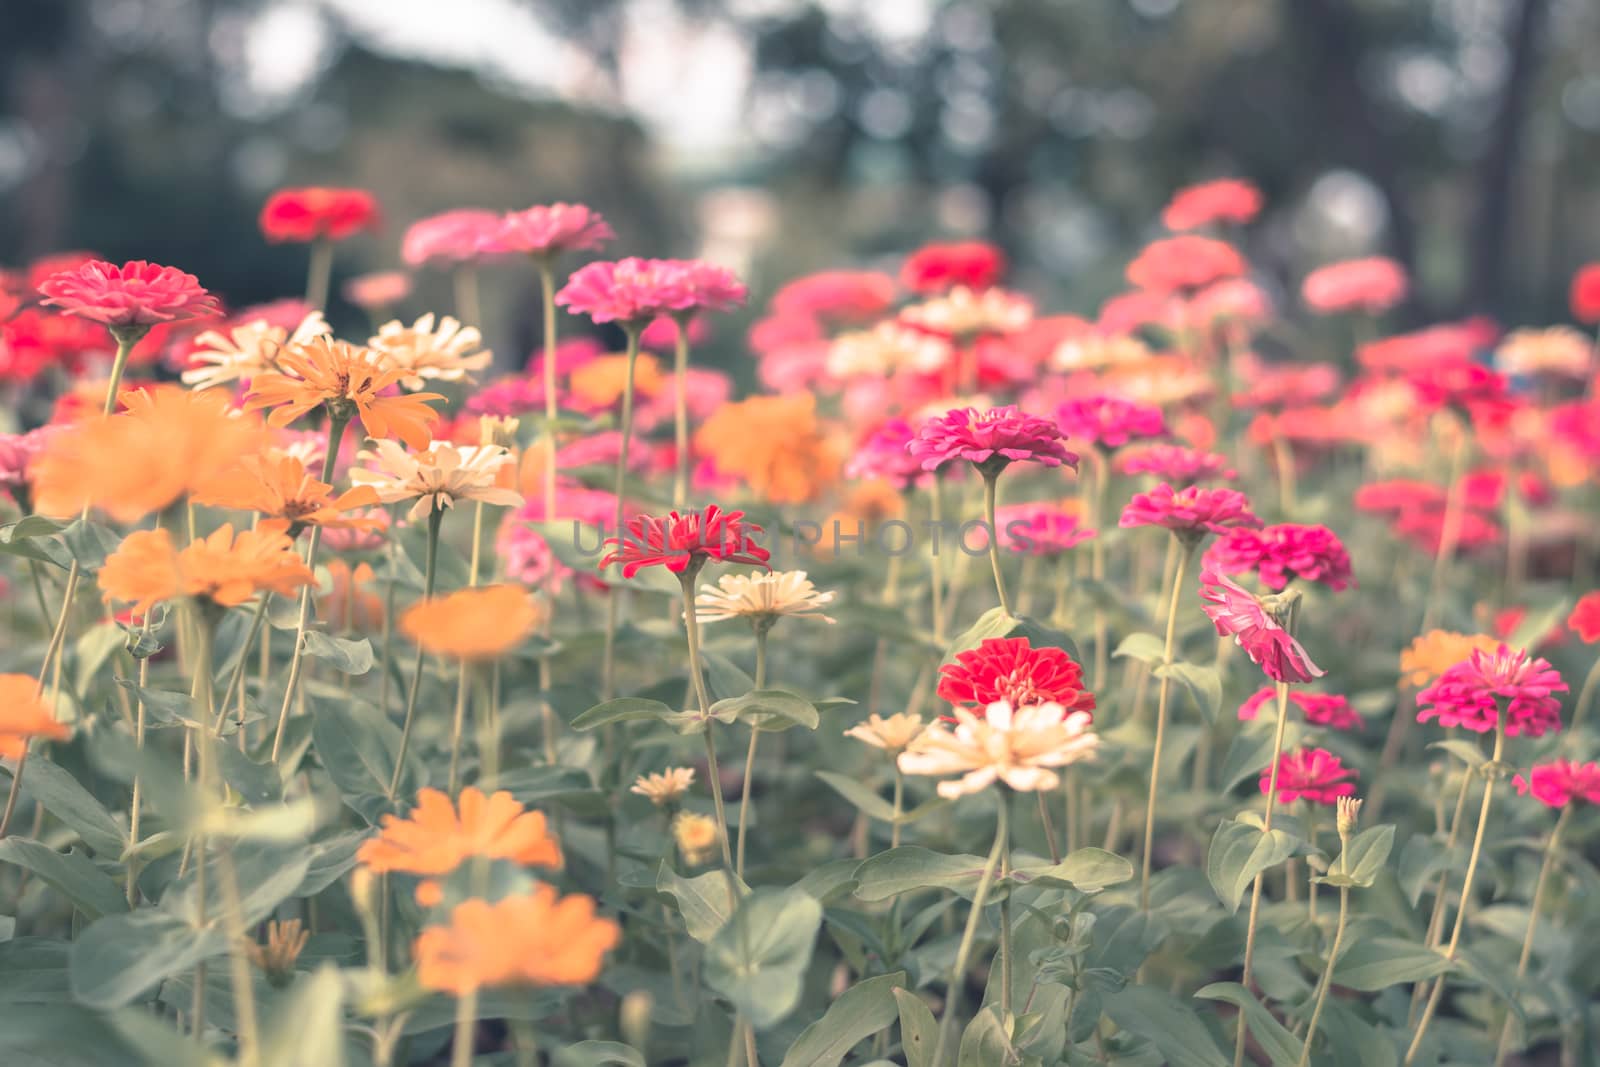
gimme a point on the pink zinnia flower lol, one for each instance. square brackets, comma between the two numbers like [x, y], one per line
[1176, 463]
[1585, 294]
[515, 394]
[1320, 709]
[683, 543]
[450, 237]
[1372, 285]
[18, 451]
[1040, 529]
[989, 439]
[1460, 384]
[378, 291]
[842, 295]
[709, 287]
[1184, 264]
[1234, 611]
[1281, 553]
[1470, 694]
[318, 213]
[1189, 512]
[1012, 670]
[136, 294]
[630, 291]
[550, 229]
[662, 333]
[1314, 774]
[885, 454]
[1110, 421]
[1222, 200]
[933, 268]
[1560, 782]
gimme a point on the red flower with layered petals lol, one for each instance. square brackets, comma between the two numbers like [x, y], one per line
[989, 439]
[1011, 669]
[136, 294]
[1193, 510]
[318, 213]
[936, 267]
[1284, 552]
[678, 542]
[1313, 774]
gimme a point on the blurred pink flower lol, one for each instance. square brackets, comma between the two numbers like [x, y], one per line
[459, 236]
[1221, 200]
[1040, 529]
[549, 229]
[1110, 421]
[1191, 512]
[840, 295]
[1320, 709]
[378, 291]
[1176, 463]
[885, 454]
[1278, 554]
[628, 291]
[1560, 782]
[1371, 285]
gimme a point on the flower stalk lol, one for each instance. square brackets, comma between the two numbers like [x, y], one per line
[1552, 848]
[1161, 723]
[713, 771]
[969, 934]
[435, 518]
[608, 664]
[990, 492]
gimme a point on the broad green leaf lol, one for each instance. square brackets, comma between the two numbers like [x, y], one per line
[985, 1042]
[33, 970]
[861, 1011]
[357, 746]
[598, 1054]
[768, 709]
[308, 1025]
[1088, 870]
[1146, 648]
[1362, 860]
[918, 1031]
[1251, 751]
[623, 709]
[702, 900]
[98, 644]
[66, 1035]
[909, 867]
[859, 794]
[1375, 963]
[1238, 853]
[90, 543]
[156, 1040]
[1167, 1023]
[62, 796]
[119, 959]
[992, 623]
[829, 880]
[1203, 685]
[257, 783]
[1467, 752]
[1282, 1048]
[347, 656]
[30, 538]
[160, 775]
[70, 873]
[759, 958]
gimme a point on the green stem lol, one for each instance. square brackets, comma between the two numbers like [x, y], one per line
[1585, 693]
[457, 726]
[1327, 975]
[608, 663]
[1161, 725]
[466, 1027]
[319, 272]
[713, 771]
[468, 307]
[1449, 529]
[435, 518]
[1005, 953]
[761, 629]
[937, 591]
[1097, 565]
[1255, 888]
[958, 972]
[547, 287]
[680, 484]
[989, 494]
[1551, 848]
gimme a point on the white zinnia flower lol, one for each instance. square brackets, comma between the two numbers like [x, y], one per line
[1020, 748]
[761, 594]
[439, 477]
[421, 350]
[246, 350]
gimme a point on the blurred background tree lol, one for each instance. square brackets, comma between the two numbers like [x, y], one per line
[787, 135]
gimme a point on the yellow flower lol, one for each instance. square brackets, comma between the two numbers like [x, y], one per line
[437, 477]
[665, 787]
[1019, 747]
[446, 352]
[696, 836]
[891, 734]
[1436, 652]
[775, 444]
[761, 596]
[147, 568]
[344, 377]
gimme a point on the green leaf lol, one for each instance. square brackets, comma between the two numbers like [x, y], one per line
[257, 783]
[829, 881]
[1088, 870]
[307, 1026]
[98, 644]
[62, 796]
[357, 745]
[598, 1054]
[1167, 1023]
[909, 867]
[1362, 859]
[1238, 853]
[859, 794]
[768, 709]
[984, 1042]
[861, 1011]
[119, 959]
[702, 900]
[1146, 648]
[623, 709]
[33, 970]
[1203, 685]
[918, 1031]
[1251, 751]
[1375, 963]
[70, 873]
[347, 657]
[160, 775]
[29, 538]
[1466, 751]
[1282, 1048]
[90, 543]
[759, 959]
[992, 623]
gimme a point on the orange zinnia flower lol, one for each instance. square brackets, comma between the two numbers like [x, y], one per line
[1436, 651]
[148, 568]
[342, 375]
[532, 940]
[472, 624]
[351, 604]
[775, 444]
[23, 716]
[599, 383]
[169, 443]
[435, 840]
[279, 486]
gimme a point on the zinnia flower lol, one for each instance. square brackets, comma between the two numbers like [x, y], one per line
[1436, 651]
[533, 940]
[1370, 285]
[1011, 670]
[891, 734]
[989, 439]
[1585, 295]
[318, 213]
[279, 486]
[247, 349]
[776, 445]
[1585, 617]
[1235, 612]
[24, 716]
[130, 298]
[1320, 709]
[1559, 351]
[1471, 694]
[664, 788]
[629, 291]
[455, 625]
[933, 268]
[840, 295]
[148, 568]
[438, 477]
[599, 383]
[378, 291]
[351, 603]
[459, 236]
[1184, 264]
[1110, 421]
[1560, 782]
[710, 287]
[446, 352]
[683, 543]
[549, 229]
[762, 598]
[884, 454]
[696, 836]
[1190, 512]
[964, 315]
[1222, 200]
[1041, 529]
[1312, 774]
[1281, 553]
[1019, 747]
[1176, 463]
[18, 453]
[340, 375]
[435, 839]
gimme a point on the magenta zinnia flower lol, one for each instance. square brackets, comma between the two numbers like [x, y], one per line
[628, 291]
[989, 439]
[1110, 421]
[1281, 553]
[685, 542]
[709, 287]
[1313, 774]
[1471, 694]
[884, 454]
[1040, 529]
[1320, 709]
[549, 229]
[1560, 782]
[1189, 512]
[136, 294]
[450, 237]
[1176, 463]
[1235, 612]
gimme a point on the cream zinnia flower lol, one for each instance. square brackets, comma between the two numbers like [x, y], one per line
[963, 313]
[665, 787]
[1019, 748]
[246, 351]
[891, 734]
[446, 353]
[761, 596]
[887, 348]
[438, 477]
[1559, 350]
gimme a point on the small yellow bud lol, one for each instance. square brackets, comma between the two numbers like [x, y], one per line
[498, 430]
[1348, 811]
[633, 1017]
[696, 836]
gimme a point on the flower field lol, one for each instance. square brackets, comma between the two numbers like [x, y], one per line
[1207, 682]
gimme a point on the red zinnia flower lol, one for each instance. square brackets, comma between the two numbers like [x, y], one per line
[1470, 694]
[1176, 463]
[1320, 709]
[936, 267]
[1585, 617]
[1460, 384]
[548, 229]
[1012, 670]
[1233, 611]
[1283, 552]
[1110, 421]
[459, 236]
[1372, 285]
[1314, 774]
[1223, 200]
[136, 294]
[1586, 294]
[1184, 264]
[1399, 494]
[843, 295]
[683, 541]
[317, 213]
[1190, 511]
[989, 439]
[1560, 782]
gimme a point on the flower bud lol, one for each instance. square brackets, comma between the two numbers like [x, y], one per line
[633, 1017]
[1349, 809]
[696, 837]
